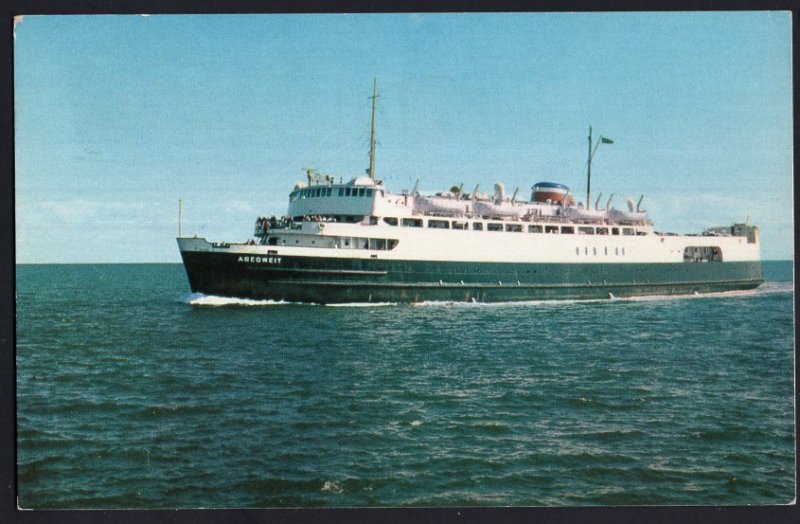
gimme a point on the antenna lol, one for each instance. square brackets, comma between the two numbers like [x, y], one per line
[180, 212]
[309, 171]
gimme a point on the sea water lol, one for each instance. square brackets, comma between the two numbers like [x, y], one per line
[134, 393]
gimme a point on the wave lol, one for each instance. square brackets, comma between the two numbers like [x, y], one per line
[510, 303]
[764, 289]
[363, 304]
[200, 299]
[776, 287]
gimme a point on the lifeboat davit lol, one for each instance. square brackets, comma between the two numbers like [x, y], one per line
[544, 191]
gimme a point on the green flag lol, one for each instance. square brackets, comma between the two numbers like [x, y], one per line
[606, 140]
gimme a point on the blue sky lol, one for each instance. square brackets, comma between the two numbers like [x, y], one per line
[117, 117]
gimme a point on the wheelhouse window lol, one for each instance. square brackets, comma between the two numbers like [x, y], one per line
[477, 226]
[341, 191]
[439, 224]
[627, 231]
[551, 229]
[460, 225]
[369, 191]
[586, 230]
[602, 230]
[412, 222]
[347, 191]
[392, 221]
[514, 228]
[361, 191]
[615, 231]
[494, 226]
[535, 229]
[567, 230]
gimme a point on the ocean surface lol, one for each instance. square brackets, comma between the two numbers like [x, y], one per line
[133, 393]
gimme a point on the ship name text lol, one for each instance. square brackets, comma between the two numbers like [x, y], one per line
[260, 260]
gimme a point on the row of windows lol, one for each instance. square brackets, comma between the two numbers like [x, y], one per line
[585, 251]
[377, 244]
[511, 227]
[317, 192]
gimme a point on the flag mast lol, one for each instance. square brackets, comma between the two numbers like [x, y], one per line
[592, 151]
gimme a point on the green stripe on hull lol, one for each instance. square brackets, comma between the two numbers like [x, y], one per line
[331, 280]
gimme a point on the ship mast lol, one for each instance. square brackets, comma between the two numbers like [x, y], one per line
[372, 131]
[589, 170]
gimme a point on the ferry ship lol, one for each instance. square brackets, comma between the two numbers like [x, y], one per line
[356, 241]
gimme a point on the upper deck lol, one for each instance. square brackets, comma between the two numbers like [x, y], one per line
[363, 198]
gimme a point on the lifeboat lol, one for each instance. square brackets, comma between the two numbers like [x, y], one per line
[502, 209]
[627, 216]
[438, 205]
[579, 213]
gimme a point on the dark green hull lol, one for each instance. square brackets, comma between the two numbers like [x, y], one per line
[334, 280]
